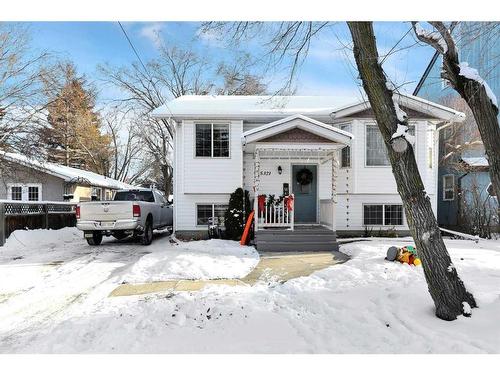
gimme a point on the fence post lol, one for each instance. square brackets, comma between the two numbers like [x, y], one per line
[45, 211]
[2, 224]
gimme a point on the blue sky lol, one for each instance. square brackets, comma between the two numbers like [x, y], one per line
[328, 69]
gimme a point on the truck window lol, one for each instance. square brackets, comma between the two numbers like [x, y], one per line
[139, 195]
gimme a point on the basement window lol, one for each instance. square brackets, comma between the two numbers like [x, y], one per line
[383, 214]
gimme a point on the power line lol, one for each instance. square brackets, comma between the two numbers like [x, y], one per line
[143, 66]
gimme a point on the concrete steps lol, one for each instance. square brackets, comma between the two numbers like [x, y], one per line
[301, 239]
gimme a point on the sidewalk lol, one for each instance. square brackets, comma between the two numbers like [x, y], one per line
[273, 267]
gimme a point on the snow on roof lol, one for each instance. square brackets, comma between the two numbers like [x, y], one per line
[267, 106]
[66, 173]
[476, 161]
[241, 105]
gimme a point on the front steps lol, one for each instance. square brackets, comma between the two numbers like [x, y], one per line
[302, 238]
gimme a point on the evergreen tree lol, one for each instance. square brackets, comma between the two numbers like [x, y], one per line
[73, 136]
[236, 214]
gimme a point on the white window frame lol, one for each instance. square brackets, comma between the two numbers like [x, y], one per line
[24, 191]
[212, 140]
[367, 124]
[346, 127]
[213, 211]
[445, 189]
[383, 215]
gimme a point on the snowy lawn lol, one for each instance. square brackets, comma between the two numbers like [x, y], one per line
[367, 305]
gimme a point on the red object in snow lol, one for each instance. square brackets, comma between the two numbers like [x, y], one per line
[246, 233]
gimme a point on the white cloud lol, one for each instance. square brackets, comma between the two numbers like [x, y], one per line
[151, 32]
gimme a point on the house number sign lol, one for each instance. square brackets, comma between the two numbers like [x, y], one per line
[265, 173]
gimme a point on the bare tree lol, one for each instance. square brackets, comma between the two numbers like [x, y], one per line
[20, 109]
[126, 148]
[238, 80]
[446, 288]
[471, 87]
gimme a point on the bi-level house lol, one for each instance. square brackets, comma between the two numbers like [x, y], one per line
[315, 166]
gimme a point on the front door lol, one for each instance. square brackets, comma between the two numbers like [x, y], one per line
[305, 186]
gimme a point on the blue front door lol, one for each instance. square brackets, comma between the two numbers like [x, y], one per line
[305, 186]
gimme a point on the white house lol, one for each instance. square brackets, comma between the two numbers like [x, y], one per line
[324, 155]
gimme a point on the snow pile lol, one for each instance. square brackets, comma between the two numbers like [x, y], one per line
[212, 259]
[471, 73]
[402, 131]
[433, 35]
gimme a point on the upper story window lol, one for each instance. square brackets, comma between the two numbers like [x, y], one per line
[448, 187]
[345, 158]
[16, 193]
[376, 153]
[212, 140]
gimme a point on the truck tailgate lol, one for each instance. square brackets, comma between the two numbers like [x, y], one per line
[106, 211]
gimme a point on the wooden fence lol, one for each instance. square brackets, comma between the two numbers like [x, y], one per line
[36, 215]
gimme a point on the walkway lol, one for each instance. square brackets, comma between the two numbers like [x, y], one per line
[273, 267]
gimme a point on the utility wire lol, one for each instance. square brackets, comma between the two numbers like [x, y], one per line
[143, 66]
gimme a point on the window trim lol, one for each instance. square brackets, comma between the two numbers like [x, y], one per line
[211, 123]
[448, 189]
[342, 127]
[213, 211]
[25, 191]
[403, 221]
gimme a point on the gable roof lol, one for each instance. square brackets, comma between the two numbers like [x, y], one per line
[68, 174]
[297, 121]
[431, 109]
[243, 107]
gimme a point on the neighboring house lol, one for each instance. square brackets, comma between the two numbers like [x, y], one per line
[26, 179]
[326, 151]
[481, 50]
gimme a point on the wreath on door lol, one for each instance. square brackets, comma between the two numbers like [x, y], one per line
[304, 176]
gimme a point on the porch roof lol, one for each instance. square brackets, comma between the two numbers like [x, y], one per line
[324, 131]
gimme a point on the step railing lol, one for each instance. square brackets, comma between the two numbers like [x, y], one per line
[276, 214]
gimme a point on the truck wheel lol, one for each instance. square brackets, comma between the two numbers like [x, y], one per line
[95, 240]
[147, 237]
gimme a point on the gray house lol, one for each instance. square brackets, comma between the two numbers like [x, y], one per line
[30, 180]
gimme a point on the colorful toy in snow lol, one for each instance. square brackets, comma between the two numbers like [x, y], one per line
[405, 254]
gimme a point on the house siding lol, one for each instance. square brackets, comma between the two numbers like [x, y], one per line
[199, 180]
[52, 186]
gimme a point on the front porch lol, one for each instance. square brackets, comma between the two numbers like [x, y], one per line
[295, 163]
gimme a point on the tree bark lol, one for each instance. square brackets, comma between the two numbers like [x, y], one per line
[484, 111]
[445, 287]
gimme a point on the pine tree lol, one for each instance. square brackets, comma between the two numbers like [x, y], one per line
[236, 213]
[73, 137]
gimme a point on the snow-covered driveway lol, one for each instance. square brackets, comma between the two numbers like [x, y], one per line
[46, 276]
[366, 305]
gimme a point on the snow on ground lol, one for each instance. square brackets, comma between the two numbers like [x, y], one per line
[212, 259]
[366, 305]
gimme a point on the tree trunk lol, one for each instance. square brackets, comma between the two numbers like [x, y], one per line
[485, 114]
[447, 290]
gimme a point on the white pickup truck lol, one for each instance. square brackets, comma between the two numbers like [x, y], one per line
[131, 213]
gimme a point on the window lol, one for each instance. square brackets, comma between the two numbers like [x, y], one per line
[16, 193]
[212, 140]
[448, 187]
[376, 153]
[135, 195]
[373, 214]
[383, 214]
[25, 192]
[206, 211]
[96, 193]
[393, 214]
[345, 159]
[33, 194]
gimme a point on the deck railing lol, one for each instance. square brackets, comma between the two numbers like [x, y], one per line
[327, 213]
[276, 215]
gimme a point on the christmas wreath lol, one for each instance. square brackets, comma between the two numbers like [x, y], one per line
[304, 176]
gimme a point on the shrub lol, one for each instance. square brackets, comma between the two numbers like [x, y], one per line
[236, 214]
